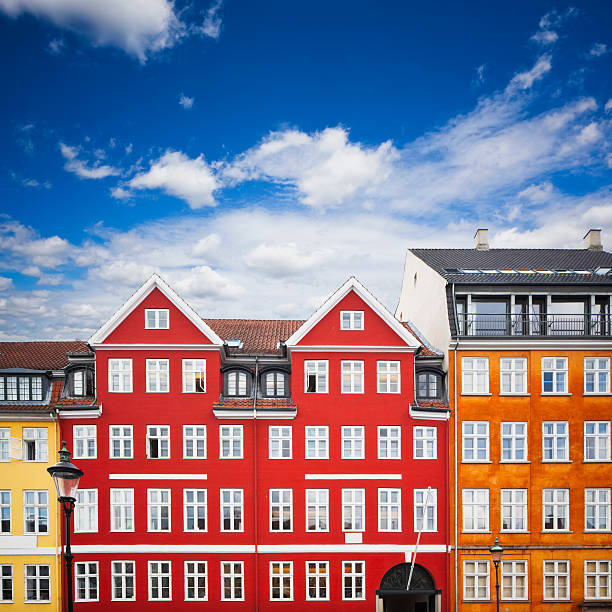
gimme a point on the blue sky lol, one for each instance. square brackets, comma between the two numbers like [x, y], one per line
[258, 154]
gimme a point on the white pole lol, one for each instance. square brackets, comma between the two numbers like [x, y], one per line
[416, 548]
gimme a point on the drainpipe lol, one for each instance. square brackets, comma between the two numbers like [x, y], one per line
[255, 496]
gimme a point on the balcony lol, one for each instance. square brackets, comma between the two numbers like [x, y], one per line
[564, 325]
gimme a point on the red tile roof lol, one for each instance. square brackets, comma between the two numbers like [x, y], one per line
[426, 350]
[38, 355]
[433, 403]
[262, 402]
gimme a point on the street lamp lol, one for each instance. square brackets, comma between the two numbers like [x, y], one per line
[496, 554]
[66, 477]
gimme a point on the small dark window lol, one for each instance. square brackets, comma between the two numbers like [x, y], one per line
[429, 385]
[237, 383]
[274, 384]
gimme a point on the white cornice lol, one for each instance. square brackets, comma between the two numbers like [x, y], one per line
[156, 347]
[81, 413]
[351, 348]
[427, 415]
[532, 345]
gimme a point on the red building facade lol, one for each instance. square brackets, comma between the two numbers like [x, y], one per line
[260, 464]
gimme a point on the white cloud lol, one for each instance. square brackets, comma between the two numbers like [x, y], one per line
[608, 106]
[211, 26]
[207, 245]
[525, 80]
[178, 175]
[186, 102]
[598, 49]
[81, 168]
[479, 79]
[56, 46]
[204, 282]
[545, 37]
[285, 259]
[541, 192]
[549, 24]
[5, 283]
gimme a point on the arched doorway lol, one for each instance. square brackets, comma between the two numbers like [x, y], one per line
[393, 596]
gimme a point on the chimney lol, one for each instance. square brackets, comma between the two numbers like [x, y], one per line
[481, 240]
[592, 240]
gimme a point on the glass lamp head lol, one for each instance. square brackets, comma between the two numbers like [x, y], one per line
[496, 551]
[65, 475]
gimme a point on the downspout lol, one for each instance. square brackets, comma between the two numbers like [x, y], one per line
[456, 469]
[256, 506]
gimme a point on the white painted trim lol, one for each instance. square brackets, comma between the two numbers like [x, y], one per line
[155, 347]
[91, 413]
[352, 284]
[158, 477]
[352, 476]
[429, 416]
[348, 548]
[261, 414]
[155, 281]
[339, 348]
[26, 415]
[39, 550]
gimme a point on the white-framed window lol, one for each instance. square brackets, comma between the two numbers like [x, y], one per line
[279, 442]
[5, 512]
[353, 580]
[281, 509]
[556, 580]
[86, 511]
[317, 509]
[554, 374]
[353, 509]
[86, 581]
[388, 376]
[158, 509]
[597, 509]
[352, 376]
[513, 375]
[120, 375]
[475, 509]
[157, 318]
[232, 580]
[5, 444]
[514, 509]
[389, 442]
[158, 375]
[315, 376]
[475, 580]
[514, 580]
[232, 511]
[474, 375]
[160, 581]
[281, 580]
[597, 440]
[352, 442]
[78, 382]
[389, 510]
[37, 583]
[426, 506]
[514, 441]
[597, 579]
[6, 583]
[428, 385]
[36, 512]
[317, 580]
[196, 581]
[194, 375]
[475, 441]
[555, 509]
[120, 441]
[123, 577]
[230, 441]
[122, 509]
[555, 441]
[194, 509]
[194, 441]
[30, 388]
[35, 444]
[158, 442]
[596, 375]
[273, 384]
[84, 441]
[316, 443]
[424, 442]
[351, 319]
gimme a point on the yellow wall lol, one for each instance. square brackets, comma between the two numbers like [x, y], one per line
[17, 476]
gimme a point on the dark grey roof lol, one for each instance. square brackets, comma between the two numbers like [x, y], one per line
[452, 264]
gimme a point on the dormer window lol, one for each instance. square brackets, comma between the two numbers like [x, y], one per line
[351, 319]
[237, 383]
[157, 318]
[274, 384]
[21, 388]
[429, 385]
[81, 383]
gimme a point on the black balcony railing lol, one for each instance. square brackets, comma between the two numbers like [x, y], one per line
[534, 325]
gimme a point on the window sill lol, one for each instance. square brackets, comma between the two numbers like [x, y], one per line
[596, 394]
[557, 461]
[476, 462]
[596, 531]
[555, 394]
[515, 395]
[553, 531]
[475, 532]
[598, 461]
[510, 532]
[513, 462]
[477, 394]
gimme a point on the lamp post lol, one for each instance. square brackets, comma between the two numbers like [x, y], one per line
[496, 554]
[66, 477]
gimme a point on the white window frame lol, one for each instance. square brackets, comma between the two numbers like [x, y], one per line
[320, 509]
[599, 500]
[513, 377]
[385, 372]
[602, 577]
[556, 365]
[281, 505]
[82, 435]
[87, 576]
[156, 322]
[125, 503]
[232, 575]
[475, 436]
[350, 434]
[231, 505]
[195, 575]
[197, 434]
[122, 438]
[594, 370]
[474, 376]
[320, 576]
[317, 434]
[352, 377]
[555, 564]
[195, 504]
[41, 511]
[6, 574]
[281, 576]
[123, 575]
[157, 372]
[478, 573]
[319, 368]
[475, 509]
[280, 442]
[518, 569]
[517, 506]
[39, 436]
[599, 439]
[421, 510]
[231, 434]
[353, 510]
[5, 444]
[6, 512]
[159, 575]
[389, 445]
[513, 437]
[161, 434]
[353, 575]
[352, 320]
[560, 508]
[86, 511]
[38, 578]
[194, 369]
[389, 502]
[424, 442]
[123, 371]
[157, 506]
[556, 438]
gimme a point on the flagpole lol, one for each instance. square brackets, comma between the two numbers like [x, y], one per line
[416, 548]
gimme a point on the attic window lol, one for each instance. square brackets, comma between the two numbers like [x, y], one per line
[157, 318]
[24, 388]
[351, 319]
[235, 343]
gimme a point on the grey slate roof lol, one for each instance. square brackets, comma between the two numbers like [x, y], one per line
[447, 262]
